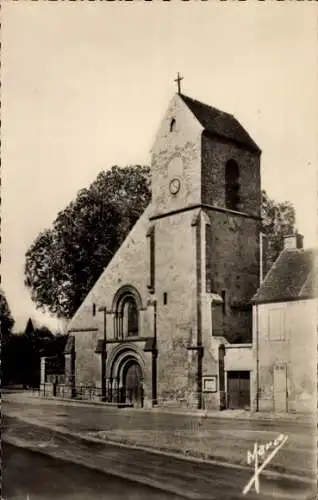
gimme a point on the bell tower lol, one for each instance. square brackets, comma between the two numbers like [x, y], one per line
[203, 159]
[204, 245]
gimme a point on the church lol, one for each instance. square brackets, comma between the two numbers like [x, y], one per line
[169, 321]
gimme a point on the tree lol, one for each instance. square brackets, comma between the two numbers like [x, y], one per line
[7, 321]
[278, 220]
[65, 261]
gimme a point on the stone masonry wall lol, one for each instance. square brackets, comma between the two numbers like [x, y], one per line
[176, 154]
[232, 260]
[233, 267]
[176, 321]
[128, 266]
[215, 154]
[87, 363]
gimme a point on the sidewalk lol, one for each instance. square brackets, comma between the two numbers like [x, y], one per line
[226, 414]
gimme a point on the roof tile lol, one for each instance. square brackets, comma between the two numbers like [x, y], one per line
[291, 277]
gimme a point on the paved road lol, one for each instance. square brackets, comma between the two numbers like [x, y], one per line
[86, 418]
[34, 476]
[227, 439]
[202, 481]
[185, 479]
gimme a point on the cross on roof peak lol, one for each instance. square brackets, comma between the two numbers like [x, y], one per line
[178, 80]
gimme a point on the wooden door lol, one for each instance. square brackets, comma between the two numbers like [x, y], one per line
[280, 388]
[133, 384]
[238, 389]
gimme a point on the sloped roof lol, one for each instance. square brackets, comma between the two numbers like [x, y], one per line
[291, 277]
[220, 123]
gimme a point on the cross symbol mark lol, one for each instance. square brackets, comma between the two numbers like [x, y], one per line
[178, 80]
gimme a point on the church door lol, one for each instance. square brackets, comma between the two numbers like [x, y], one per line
[133, 384]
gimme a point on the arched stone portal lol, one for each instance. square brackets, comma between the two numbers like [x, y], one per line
[126, 376]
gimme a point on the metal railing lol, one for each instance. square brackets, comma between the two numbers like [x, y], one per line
[87, 393]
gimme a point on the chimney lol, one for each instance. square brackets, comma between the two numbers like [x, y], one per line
[293, 241]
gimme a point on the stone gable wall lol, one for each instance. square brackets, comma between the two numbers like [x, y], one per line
[127, 267]
[182, 147]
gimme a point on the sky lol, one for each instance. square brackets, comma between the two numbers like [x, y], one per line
[85, 85]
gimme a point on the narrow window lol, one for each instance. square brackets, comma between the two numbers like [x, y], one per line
[232, 185]
[151, 259]
[130, 318]
[276, 324]
[172, 125]
[94, 309]
[224, 302]
[165, 298]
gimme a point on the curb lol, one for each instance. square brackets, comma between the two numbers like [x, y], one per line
[270, 473]
[246, 416]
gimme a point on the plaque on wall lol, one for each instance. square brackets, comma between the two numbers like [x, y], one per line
[210, 383]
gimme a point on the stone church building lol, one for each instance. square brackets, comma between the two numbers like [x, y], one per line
[169, 321]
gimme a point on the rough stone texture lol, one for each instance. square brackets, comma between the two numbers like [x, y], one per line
[233, 267]
[127, 266]
[176, 154]
[232, 240]
[215, 154]
[175, 276]
[87, 367]
[298, 351]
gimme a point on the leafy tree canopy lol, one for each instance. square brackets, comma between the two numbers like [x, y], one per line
[65, 261]
[278, 220]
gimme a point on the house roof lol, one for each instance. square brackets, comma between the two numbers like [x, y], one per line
[219, 123]
[292, 277]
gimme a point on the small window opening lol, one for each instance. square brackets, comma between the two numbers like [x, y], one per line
[165, 298]
[130, 315]
[94, 309]
[172, 125]
[224, 302]
[151, 259]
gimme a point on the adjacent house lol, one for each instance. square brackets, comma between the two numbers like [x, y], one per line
[285, 333]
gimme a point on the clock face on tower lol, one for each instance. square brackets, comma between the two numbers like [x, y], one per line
[174, 186]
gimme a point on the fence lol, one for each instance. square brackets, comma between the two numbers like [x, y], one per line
[82, 392]
[50, 389]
